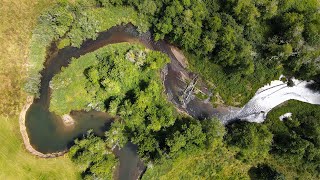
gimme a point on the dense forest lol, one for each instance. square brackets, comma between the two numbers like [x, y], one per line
[123, 79]
[242, 43]
[287, 149]
[236, 46]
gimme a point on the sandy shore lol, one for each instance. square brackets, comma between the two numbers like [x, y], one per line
[68, 120]
[179, 56]
[24, 133]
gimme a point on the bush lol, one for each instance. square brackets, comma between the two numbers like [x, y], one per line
[253, 140]
[92, 158]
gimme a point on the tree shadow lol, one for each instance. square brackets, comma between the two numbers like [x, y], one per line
[264, 172]
[315, 87]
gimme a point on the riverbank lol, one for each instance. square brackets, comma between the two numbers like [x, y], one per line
[49, 121]
[175, 78]
[24, 133]
[68, 121]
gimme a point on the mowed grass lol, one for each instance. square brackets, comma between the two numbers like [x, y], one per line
[18, 18]
[17, 163]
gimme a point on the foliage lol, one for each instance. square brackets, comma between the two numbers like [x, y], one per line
[52, 25]
[90, 21]
[265, 172]
[71, 24]
[257, 146]
[213, 162]
[235, 45]
[123, 80]
[238, 34]
[107, 77]
[297, 139]
[253, 140]
[253, 40]
[217, 162]
[247, 39]
[116, 135]
[92, 157]
[234, 89]
[18, 163]
[63, 101]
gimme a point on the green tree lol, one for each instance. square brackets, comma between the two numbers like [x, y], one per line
[253, 140]
[233, 51]
[214, 130]
[92, 157]
[265, 172]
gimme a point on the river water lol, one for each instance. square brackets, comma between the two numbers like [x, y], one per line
[48, 134]
[46, 130]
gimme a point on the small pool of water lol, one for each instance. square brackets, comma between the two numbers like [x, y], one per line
[48, 134]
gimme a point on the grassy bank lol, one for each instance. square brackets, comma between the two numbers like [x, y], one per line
[70, 24]
[17, 163]
[295, 107]
[18, 18]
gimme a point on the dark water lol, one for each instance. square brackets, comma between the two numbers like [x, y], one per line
[47, 131]
[131, 166]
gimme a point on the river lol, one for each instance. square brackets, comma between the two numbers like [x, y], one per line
[46, 130]
[48, 134]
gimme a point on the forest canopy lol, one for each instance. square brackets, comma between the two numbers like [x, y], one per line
[124, 80]
[247, 43]
[236, 46]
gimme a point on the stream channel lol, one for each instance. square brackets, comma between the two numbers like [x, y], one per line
[46, 130]
[48, 133]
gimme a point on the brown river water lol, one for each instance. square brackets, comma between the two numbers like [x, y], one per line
[48, 134]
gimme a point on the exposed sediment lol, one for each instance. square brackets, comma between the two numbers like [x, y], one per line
[175, 79]
[24, 133]
[68, 121]
[179, 56]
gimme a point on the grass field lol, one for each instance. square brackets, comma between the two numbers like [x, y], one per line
[18, 18]
[17, 163]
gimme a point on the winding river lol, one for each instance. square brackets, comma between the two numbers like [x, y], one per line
[48, 134]
[46, 130]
